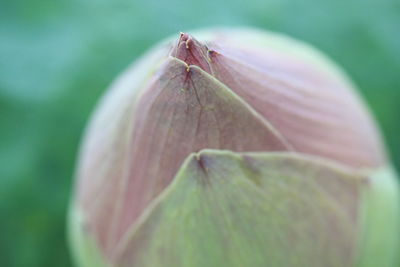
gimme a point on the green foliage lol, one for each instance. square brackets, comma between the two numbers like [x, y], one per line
[57, 57]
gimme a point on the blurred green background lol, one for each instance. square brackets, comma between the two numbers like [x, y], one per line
[58, 57]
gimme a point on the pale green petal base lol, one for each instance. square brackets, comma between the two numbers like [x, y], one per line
[228, 209]
[380, 242]
[255, 210]
[84, 249]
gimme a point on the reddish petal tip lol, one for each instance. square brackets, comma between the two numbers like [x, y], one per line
[192, 52]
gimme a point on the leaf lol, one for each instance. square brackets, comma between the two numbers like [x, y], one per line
[250, 209]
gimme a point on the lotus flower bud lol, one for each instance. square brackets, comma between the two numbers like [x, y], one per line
[237, 148]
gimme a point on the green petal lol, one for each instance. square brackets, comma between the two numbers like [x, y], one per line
[380, 244]
[251, 209]
[84, 248]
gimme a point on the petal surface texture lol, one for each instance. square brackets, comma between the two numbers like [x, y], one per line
[252, 209]
[236, 90]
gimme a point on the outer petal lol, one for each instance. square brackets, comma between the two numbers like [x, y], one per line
[253, 210]
[300, 92]
[380, 242]
[85, 250]
[183, 109]
[103, 157]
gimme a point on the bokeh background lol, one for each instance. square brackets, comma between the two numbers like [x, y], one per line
[58, 57]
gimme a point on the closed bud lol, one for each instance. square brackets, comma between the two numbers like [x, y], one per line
[239, 148]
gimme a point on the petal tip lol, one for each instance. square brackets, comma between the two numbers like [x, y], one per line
[191, 51]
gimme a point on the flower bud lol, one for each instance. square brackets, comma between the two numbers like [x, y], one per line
[240, 148]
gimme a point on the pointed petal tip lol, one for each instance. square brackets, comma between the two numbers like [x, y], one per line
[191, 51]
[201, 162]
[205, 159]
